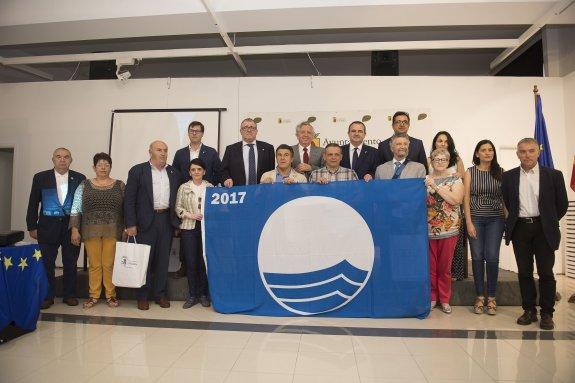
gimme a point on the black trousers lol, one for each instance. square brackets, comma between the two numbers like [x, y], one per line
[70, 255]
[529, 241]
[159, 237]
[191, 247]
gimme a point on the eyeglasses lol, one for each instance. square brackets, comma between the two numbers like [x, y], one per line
[193, 131]
[440, 160]
[401, 122]
[249, 128]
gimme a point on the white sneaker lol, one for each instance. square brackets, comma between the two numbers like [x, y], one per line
[446, 308]
[433, 304]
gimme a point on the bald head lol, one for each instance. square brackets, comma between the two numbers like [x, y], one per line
[158, 153]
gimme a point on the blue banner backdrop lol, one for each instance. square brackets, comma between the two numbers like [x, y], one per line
[346, 249]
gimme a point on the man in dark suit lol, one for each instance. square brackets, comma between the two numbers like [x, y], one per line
[363, 159]
[53, 190]
[244, 162]
[307, 157]
[197, 149]
[400, 124]
[182, 159]
[149, 214]
[536, 199]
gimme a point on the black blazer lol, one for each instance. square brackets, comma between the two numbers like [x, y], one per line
[552, 202]
[416, 152]
[367, 161]
[233, 162]
[49, 228]
[139, 196]
[207, 154]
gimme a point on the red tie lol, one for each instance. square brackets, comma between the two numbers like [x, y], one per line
[305, 156]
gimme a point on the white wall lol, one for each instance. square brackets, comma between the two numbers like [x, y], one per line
[37, 117]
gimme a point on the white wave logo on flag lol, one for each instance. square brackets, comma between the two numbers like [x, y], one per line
[315, 255]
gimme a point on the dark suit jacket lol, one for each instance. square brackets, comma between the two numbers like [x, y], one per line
[139, 196]
[49, 227]
[416, 152]
[367, 161]
[552, 202]
[207, 154]
[233, 162]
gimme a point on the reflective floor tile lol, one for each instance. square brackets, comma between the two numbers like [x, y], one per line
[57, 371]
[269, 361]
[387, 366]
[208, 358]
[273, 341]
[324, 363]
[252, 377]
[234, 339]
[187, 375]
[326, 343]
[153, 355]
[117, 373]
[379, 345]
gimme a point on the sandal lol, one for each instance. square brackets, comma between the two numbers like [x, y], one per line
[90, 303]
[478, 306]
[491, 306]
[446, 308]
[112, 302]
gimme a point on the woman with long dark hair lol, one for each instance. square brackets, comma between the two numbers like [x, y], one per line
[484, 212]
[443, 140]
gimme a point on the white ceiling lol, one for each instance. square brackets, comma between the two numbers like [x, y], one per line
[38, 27]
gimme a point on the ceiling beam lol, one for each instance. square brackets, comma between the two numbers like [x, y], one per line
[555, 10]
[224, 34]
[30, 70]
[264, 50]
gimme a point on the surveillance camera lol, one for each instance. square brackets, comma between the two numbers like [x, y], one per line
[123, 76]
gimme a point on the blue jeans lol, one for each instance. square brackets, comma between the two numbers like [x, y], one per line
[485, 252]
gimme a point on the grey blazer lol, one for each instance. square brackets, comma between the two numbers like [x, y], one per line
[412, 170]
[315, 158]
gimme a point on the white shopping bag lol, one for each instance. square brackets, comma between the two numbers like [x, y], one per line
[130, 264]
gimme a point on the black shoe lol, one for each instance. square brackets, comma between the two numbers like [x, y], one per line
[46, 304]
[205, 301]
[70, 301]
[181, 273]
[190, 302]
[546, 322]
[528, 317]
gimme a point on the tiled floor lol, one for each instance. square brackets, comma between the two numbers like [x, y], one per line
[113, 345]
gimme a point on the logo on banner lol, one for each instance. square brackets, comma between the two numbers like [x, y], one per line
[315, 255]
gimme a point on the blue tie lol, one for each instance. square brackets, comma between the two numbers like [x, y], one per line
[252, 166]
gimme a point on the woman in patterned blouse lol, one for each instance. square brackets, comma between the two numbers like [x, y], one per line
[97, 219]
[189, 209]
[445, 194]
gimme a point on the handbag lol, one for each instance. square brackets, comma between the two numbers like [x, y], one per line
[130, 264]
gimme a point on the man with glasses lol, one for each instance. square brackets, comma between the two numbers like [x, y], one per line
[400, 166]
[182, 158]
[400, 124]
[246, 161]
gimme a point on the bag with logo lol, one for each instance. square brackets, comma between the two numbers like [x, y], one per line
[130, 264]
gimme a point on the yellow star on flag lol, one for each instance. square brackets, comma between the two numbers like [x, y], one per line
[37, 255]
[7, 262]
[23, 264]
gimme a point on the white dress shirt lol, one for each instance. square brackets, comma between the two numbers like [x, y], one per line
[529, 192]
[351, 149]
[195, 153]
[160, 187]
[61, 186]
[246, 153]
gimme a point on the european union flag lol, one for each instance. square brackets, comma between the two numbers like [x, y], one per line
[25, 285]
[545, 158]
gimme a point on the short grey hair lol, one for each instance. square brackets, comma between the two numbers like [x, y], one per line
[248, 120]
[440, 152]
[303, 123]
[528, 140]
[398, 135]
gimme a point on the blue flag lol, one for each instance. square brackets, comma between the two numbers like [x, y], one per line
[26, 283]
[545, 158]
[4, 302]
[346, 249]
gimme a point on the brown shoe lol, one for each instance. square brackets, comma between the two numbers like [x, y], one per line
[163, 302]
[46, 304]
[181, 273]
[143, 305]
[70, 301]
[546, 322]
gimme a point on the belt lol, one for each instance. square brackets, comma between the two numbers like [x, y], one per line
[528, 219]
[160, 211]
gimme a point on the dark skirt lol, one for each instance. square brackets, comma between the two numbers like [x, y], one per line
[459, 264]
